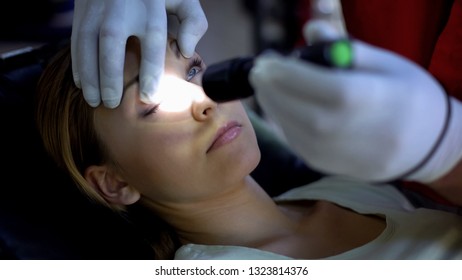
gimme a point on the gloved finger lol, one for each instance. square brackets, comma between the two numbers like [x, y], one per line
[117, 24]
[377, 60]
[297, 118]
[384, 64]
[301, 79]
[285, 109]
[318, 30]
[85, 51]
[153, 46]
[193, 24]
[79, 8]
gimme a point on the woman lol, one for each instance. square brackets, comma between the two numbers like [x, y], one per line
[188, 159]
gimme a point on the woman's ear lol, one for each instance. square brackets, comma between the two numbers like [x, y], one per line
[110, 186]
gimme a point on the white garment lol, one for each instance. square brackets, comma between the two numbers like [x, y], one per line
[410, 233]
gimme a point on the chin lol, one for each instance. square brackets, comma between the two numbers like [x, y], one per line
[242, 166]
[249, 160]
[241, 160]
[254, 160]
[251, 155]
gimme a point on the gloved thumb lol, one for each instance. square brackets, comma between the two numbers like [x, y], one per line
[319, 30]
[188, 37]
[192, 26]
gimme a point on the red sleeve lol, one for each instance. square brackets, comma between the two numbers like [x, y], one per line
[410, 27]
[425, 31]
[446, 63]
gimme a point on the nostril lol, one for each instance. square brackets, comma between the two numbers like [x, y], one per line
[203, 107]
[206, 111]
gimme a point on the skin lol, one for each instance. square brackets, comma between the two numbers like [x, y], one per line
[206, 193]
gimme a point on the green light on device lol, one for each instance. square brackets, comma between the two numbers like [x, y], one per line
[341, 54]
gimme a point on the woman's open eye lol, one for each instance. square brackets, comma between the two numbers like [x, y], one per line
[192, 73]
[195, 67]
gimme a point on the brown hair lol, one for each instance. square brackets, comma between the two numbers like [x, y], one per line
[66, 124]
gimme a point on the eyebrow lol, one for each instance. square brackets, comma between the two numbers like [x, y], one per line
[130, 83]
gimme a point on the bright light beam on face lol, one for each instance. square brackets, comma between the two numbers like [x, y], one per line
[177, 95]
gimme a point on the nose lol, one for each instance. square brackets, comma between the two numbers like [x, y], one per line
[177, 95]
[203, 108]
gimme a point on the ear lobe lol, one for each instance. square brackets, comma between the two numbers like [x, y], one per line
[110, 186]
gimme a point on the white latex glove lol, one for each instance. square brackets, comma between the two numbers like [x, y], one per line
[377, 122]
[99, 34]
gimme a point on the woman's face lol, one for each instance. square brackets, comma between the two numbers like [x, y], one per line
[183, 147]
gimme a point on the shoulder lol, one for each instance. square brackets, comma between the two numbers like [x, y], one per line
[360, 196]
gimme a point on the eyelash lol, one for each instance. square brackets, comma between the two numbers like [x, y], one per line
[151, 110]
[194, 64]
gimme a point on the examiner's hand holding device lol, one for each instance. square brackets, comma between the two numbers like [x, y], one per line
[384, 119]
[99, 34]
[229, 80]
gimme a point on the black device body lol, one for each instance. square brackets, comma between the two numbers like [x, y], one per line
[228, 80]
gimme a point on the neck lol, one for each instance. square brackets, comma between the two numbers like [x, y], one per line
[246, 216]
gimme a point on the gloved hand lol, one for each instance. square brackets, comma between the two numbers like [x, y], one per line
[99, 33]
[385, 119]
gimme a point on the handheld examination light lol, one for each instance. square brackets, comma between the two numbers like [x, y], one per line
[228, 80]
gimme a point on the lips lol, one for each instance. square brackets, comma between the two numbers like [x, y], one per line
[225, 135]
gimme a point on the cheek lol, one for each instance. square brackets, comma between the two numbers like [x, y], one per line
[150, 150]
[160, 159]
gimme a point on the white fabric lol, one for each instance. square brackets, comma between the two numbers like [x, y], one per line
[99, 33]
[409, 234]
